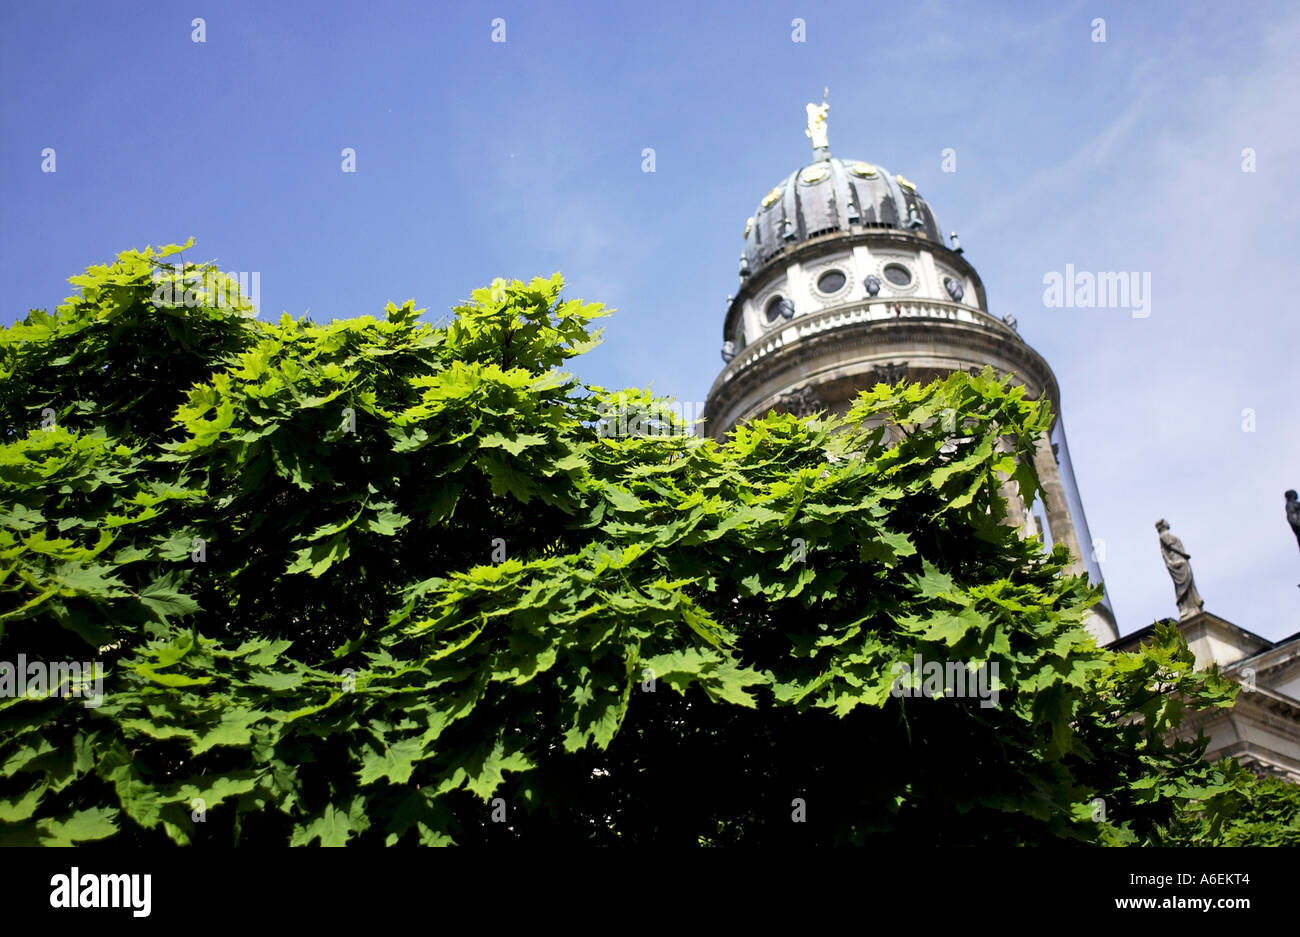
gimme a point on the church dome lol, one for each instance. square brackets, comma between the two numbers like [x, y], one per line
[832, 195]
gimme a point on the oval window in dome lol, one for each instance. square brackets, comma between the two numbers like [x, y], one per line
[897, 274]
[832, 281]
[779, 308]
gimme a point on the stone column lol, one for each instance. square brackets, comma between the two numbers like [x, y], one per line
[1054, 503]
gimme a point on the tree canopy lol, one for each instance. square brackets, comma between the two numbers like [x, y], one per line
[384, 581]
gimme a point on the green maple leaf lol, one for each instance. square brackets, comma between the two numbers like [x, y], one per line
[395, 762]
[165, 600]
[332, 826]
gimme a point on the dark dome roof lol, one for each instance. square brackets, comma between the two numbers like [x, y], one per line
[834, 195]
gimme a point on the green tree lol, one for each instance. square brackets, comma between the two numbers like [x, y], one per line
[1252, 812]
[383, 581]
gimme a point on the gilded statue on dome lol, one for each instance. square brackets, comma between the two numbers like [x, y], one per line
[817, 122]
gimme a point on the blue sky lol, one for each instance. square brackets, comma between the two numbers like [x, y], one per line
[478, 159]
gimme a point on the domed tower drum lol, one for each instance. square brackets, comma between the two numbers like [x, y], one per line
[846, 281]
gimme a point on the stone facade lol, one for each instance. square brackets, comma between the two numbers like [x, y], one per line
[1262, 730]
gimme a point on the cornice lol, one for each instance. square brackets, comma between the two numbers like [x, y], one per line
[823, 341]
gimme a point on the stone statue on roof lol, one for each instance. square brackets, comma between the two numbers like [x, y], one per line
[1293, 513]
[1180, 570]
